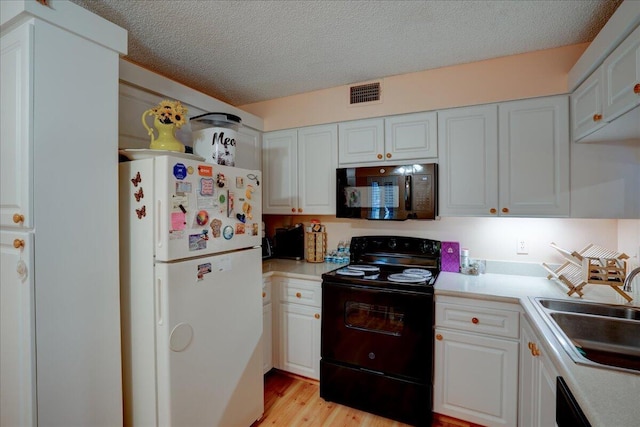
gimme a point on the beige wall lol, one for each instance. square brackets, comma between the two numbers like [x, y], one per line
[527, 75]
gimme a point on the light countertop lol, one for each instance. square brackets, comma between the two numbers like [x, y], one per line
[608, 398]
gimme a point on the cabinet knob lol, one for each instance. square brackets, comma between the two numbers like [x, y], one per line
[298, 295]
[380, 156]
[18, 243]
[264, 294]
[636, 88]
[534, 349]
[493, 210]
[505, 210]
[388, 155]
[17, 218]
[293, 210]
[317, 316]
[439, 337]
[475, 320]
[300, 210]
[597, 117]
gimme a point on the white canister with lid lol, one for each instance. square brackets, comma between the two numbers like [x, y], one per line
[216, 137]
[464, 258]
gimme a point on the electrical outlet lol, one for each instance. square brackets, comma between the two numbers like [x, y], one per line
[522, 248]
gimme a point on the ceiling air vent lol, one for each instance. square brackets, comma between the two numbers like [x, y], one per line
[364, 93]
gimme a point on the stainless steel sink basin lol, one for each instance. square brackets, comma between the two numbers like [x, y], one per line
[607, 310]
[603, 335]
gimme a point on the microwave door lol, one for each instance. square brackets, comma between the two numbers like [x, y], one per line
[384, 197]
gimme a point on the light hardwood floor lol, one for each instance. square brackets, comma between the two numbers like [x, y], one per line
[294, 401]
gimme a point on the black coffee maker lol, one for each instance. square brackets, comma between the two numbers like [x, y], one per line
[289, 242]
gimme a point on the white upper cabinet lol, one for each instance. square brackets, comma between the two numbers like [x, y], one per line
[361, 141]
[621, 72]
[468, 160]
[586, 106]
[509, 159]
[390, 140]
[299, 171]
[533, 140]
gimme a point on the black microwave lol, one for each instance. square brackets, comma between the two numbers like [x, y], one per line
[388, 192]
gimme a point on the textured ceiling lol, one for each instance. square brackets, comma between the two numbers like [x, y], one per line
[247, 51]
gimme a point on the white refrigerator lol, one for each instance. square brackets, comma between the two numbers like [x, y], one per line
[191, 292]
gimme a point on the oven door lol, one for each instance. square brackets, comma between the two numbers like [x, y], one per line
[384, 331]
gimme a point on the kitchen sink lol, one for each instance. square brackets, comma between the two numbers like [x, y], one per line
[607, 310]
[603, 335]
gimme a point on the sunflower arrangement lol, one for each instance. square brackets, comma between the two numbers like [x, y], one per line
[169, 112]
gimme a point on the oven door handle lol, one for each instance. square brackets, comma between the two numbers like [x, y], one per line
[407, 193]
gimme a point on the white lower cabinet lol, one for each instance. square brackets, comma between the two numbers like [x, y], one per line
[298, 326]
[537, 382]
[267, 326]
[476, 361]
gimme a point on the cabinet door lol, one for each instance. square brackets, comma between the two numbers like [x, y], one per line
[317, 163]
[476, 378]
[586, 103]
[361, 141]
[534, 157]
[622, 77]
[267, 338]
[280, 172]
[537, 382]
[411, 136]
[468, 161]
[300, 340]
[15, 131]
[17, 336]
[249, 149]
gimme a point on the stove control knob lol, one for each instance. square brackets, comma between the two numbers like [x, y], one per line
[426, 248]
[372, 355]
[392, 244]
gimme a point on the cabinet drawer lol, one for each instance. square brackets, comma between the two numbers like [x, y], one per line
[485, 320]
[266, 292]
[301, 292]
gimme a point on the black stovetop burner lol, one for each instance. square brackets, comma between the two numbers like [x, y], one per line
[391, 262]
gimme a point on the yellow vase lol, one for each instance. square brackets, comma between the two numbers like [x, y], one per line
[166, 139]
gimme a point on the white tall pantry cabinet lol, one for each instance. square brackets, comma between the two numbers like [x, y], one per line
[60, 309]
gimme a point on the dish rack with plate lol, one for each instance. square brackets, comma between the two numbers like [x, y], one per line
[593, 265]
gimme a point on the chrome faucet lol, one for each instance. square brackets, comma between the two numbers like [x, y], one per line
[627, 282]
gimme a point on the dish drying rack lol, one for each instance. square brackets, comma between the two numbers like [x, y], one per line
[593, 265]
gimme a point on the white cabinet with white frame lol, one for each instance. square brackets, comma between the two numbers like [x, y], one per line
[299, 170]
[586, 106]
[59, 216]
[537, 394]
[389, 140]
[468, 160]
[506, 159]
[621, 78]
[298, 326]
[476, 361]
[533, 141]
[267, 326]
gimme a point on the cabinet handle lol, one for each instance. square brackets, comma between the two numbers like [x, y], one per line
[298, 295]
[388, 155]
[17, 218]
[597, 117]
[534, 349]
[264, 294]
[299, 210]
[493, 210]
[505, 210]
[439, 337]
[380, 156]
[18, 243]
[475, 320]
[293, 210]
[636, 89]
[317, 316]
